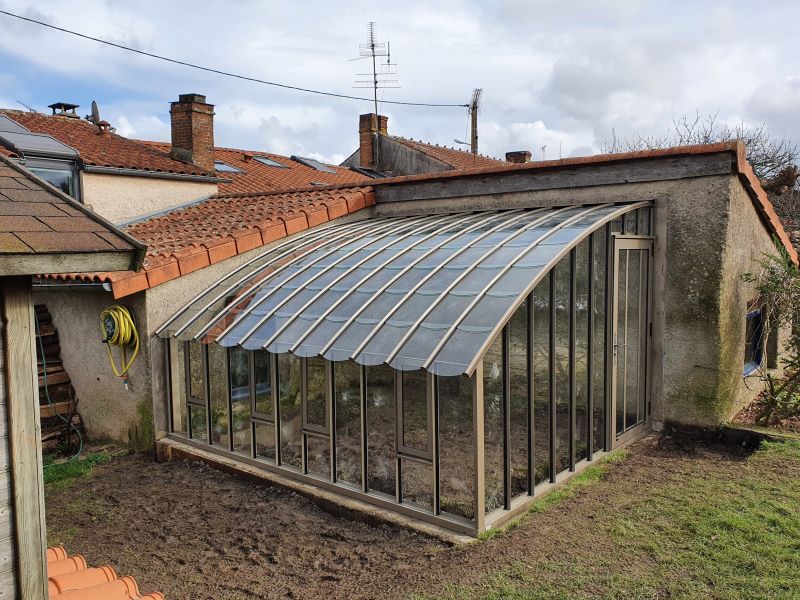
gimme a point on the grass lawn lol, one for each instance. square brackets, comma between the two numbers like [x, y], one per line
[729, 532]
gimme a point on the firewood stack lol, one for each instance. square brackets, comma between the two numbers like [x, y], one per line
[58, 405]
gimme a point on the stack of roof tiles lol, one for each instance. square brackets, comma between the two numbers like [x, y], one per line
[69, 578]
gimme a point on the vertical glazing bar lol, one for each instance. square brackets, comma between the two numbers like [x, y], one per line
[625, 299]
[477, 436]
[251, 359]
[506, 417]
[573, 262]
[187, 381]
[207, 389]
[590, 357]
[168, 373]
[276, 411]
[304, 416]
[609, 364]
[229, 397]
[552, 375]
[330, 399]
[364, 445]
[433, 395]
[531, 428]
[398, 405]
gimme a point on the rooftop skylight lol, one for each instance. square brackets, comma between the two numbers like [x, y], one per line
[313, 163]
[269, 162]
[222, 167]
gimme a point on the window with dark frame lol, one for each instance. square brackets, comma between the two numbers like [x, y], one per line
[754, 341]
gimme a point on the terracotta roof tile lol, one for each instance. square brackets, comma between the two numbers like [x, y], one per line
[186, 239]
[38, 218]
[70, 577]
[106, 150]
[258, 177]
[458, 159]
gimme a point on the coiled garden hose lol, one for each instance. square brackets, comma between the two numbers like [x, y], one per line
[118, 328]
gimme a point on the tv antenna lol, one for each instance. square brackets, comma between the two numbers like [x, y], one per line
[472, 109]
[543, 148]
[381, 70]
[30, 108]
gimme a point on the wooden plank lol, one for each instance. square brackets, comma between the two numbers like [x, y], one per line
[24, 437]
[57, 393]
[631, 171]
[57, 408]
[54, 379]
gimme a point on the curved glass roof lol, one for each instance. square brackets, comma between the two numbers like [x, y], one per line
[427, 291]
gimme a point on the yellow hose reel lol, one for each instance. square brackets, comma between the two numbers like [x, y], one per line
[118, 328]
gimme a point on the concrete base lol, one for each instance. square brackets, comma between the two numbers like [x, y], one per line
[336, 504]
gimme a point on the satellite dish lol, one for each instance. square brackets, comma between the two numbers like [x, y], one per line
[95, 113]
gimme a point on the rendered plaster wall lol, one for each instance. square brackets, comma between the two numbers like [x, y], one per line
[108, 410]
[119, 198]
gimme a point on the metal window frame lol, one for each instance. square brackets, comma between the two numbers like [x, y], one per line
[250, 391]
[308, 426]
[401, 449]
[256, 414]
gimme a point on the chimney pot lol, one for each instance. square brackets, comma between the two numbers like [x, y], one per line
[369, 126]
[192, 121]
[518, 156]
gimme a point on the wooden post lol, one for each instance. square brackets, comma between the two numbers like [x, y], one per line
[24, 436]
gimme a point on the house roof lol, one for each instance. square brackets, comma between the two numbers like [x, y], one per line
[458, 159]
[44, 230]
[107, 149]
[186, 239]
[258, 177]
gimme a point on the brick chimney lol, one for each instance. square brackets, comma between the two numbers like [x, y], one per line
[518, 156]
[193, 130]
[369, 125]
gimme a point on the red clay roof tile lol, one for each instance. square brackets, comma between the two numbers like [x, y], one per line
[106, 150]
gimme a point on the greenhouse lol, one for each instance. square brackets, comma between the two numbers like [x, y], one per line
[449, 367]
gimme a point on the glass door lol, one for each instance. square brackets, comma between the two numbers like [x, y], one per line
[630, 337]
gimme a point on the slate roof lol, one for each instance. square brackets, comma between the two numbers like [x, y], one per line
[35, 218]
[103, 150]
[458, 159]
[258, 177]
[186, 239]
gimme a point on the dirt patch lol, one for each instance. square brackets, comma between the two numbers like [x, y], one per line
[193, 532]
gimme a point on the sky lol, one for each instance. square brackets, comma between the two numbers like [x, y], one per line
[566, 75]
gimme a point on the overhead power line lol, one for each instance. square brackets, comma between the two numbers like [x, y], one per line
[220, 72]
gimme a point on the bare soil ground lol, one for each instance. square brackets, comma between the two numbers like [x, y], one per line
[196, 533]
[747, 416]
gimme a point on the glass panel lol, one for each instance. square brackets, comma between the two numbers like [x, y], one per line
[456, 447]
[239, 361]
[562, 392]
[415, 410]
[196, 375]
[263, 366]
[632, 336]
[316, 404]
[197, 422]
[541, 381]
[218, 388]
[493, 421]
[347, 392]
[381, 429]
[63, 180]
[641, 412]
[178, 395]
[599, 303]
[643, 216]
[289, 409]
[582, 350]
[619, 339]
[616, 225]
[265, 441]
[417, 483]
[518, 433]
[630, 223]
[318, 456]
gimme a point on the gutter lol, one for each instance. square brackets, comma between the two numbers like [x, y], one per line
[153, 174]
